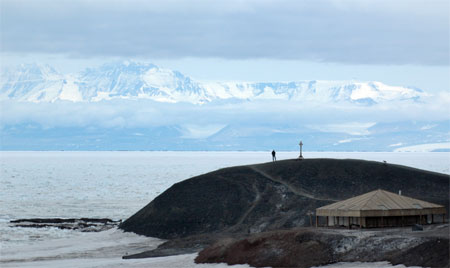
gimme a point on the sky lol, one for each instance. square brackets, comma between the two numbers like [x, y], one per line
[395, 42]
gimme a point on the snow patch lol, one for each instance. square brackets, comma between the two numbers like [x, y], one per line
[364, 91]
[70, 91]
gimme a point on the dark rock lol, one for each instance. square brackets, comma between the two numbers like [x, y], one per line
[417, 227]
[276, 195]
[274, 249]
[432, 253]
[81, 224]
[307, 247]
[63, 220]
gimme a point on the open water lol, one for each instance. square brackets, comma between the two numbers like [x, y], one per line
[115, 185]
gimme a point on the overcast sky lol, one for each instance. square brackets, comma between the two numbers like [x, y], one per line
[396, 42]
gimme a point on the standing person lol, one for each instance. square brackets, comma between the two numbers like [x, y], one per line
[274, 158]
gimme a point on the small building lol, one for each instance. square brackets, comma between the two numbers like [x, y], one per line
[380, 209]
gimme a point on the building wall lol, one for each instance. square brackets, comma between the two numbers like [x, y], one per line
[391, 221]
[343, 221]
[374, 222]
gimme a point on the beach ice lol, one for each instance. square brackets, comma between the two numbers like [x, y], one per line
[102, 249]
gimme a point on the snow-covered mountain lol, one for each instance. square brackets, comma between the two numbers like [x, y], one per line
[132, 80]
[32, 82]
[97, 109]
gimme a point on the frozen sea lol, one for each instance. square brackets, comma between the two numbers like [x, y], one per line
[115, 185]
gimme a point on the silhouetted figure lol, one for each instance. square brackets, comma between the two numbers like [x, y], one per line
[274, 158]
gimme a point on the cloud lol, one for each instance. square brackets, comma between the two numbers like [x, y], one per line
[361, 32]
[205, 120]
[201, 131]
[350, 140]
[352, 128]
[396, 144]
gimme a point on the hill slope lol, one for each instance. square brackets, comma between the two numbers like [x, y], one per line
[270, 196]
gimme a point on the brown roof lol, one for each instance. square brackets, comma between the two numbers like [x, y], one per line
[380, 203]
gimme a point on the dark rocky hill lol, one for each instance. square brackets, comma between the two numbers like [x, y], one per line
[275, 195]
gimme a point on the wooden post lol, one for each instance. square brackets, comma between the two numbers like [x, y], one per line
[432, 218]
[310, 220]
[328, 224]
[317, 221]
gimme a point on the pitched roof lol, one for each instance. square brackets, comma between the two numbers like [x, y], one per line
[379, 203]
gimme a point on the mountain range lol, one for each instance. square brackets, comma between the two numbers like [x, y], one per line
[132, 80]
[139, 106]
